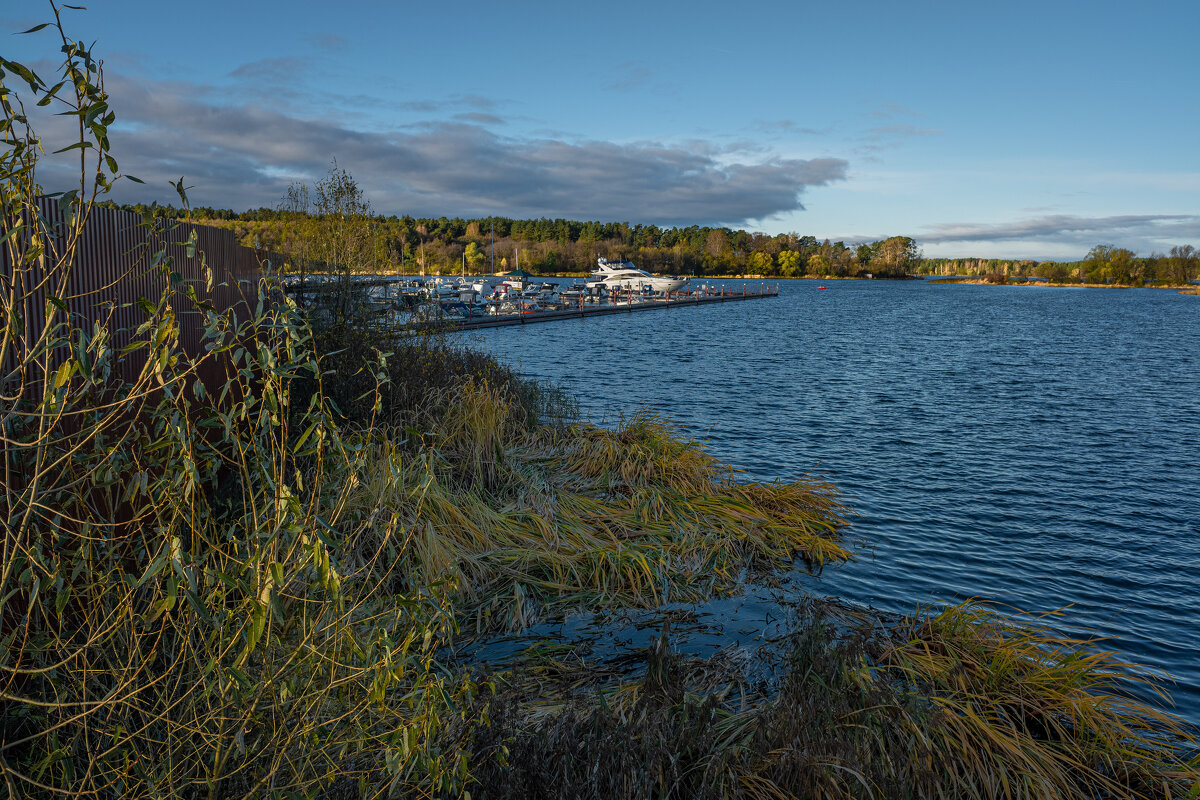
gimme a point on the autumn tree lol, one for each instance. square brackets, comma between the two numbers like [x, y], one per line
[897, 256]
[1182, 265]
[717, 243]
[344, 241]
[789, 263]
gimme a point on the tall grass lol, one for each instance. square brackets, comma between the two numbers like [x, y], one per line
[240, 588]
[524, 522]
[856, 714]
[1022, 711]
[189, 603]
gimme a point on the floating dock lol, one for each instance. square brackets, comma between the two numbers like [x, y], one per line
[630, 305]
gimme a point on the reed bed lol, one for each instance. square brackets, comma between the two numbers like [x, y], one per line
[1020, 711]
[526, 522]
[858, 713]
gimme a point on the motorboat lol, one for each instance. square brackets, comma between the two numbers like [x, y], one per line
[625, 276]
[573, 293]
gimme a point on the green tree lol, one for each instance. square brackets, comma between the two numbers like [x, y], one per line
[473, 256]
[761, 263]
[1106, 262]
[789, 263]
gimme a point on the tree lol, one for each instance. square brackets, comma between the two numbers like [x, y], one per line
[866, 252]
[789, 263]
[717, 243]
[1183, 264]
[761, 263]
[1106, 262]
[344, 238]
[473, 256]
[897, 256]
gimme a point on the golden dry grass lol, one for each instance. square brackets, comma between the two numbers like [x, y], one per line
[525, 521]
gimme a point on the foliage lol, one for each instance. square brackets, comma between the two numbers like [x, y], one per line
[1104, 264]
[1022, 710]
[409, 245]
[529, 521]
[188, 604]
[959, 704]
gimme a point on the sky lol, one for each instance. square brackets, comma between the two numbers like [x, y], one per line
[1014, 130]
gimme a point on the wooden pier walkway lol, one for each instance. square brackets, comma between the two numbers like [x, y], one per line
[584, 309]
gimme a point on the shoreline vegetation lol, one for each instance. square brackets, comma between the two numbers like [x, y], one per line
[1182, 288]
[248, 587]
[560, 247]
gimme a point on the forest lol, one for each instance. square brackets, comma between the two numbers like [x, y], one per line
[1104, 264]
[416, 245]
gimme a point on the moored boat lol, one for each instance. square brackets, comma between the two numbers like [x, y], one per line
[625, 276]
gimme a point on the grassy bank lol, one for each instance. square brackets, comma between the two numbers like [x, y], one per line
[248, 586]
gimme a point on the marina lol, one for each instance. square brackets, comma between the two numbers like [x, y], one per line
[520, 298]
[628, 304]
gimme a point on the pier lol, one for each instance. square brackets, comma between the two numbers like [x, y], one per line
[628, 305]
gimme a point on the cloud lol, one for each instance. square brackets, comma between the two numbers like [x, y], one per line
[480, 118]
[1140, 232]
[424, 106]
[473, 100]
[279, 70]
[892, 110]
[632, 77]
[457, 101]
[789, 127]
[886, 137]
[900, 131]
[244, 156]
[330, 42]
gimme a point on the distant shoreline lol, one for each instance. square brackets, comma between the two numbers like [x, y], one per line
[1181, 288]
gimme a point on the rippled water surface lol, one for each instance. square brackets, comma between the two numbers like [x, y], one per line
[1036, 446]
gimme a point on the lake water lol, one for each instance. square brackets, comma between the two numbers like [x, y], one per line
[1039, 447]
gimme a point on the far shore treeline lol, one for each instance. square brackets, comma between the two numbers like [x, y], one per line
[414, 245]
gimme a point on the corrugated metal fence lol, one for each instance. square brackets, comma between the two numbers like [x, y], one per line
[119, 262]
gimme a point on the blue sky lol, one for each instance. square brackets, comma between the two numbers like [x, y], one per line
[997, 130]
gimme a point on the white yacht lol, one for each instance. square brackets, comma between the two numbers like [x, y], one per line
[627, 277]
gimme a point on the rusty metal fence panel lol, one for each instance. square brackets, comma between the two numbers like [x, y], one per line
[120, 260]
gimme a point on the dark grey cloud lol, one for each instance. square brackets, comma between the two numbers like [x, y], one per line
[245, 155]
